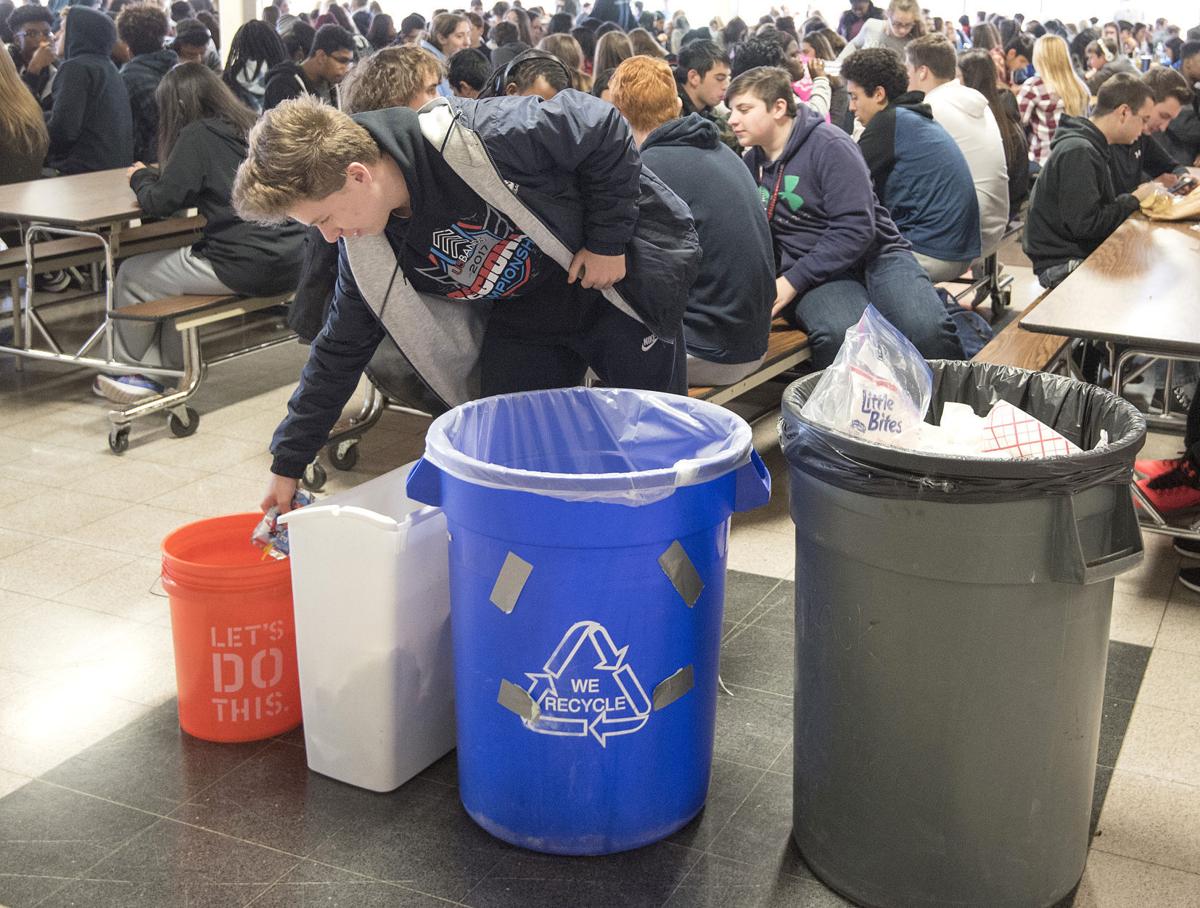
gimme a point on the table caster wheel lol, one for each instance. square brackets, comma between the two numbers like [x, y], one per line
[314, 477]
[345, 455]
[118, 440]
[182, 427]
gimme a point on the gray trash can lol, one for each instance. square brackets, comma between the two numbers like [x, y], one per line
[951, 639]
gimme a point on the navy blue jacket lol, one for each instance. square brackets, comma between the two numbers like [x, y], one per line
[923, 180]
[826, 222]
[728, 316]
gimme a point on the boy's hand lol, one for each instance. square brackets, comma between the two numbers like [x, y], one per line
[42, 57]
[595, 271]
[784, 294]
[279, 494]
[1144, 191]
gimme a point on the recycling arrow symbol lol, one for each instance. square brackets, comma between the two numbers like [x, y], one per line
[587, 688]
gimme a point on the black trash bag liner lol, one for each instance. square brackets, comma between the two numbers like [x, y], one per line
[1076, 410]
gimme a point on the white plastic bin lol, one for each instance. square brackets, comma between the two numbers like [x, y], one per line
[371, 590]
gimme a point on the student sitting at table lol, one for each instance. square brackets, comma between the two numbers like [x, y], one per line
[1182, 138]
[32, 52]
[202, 140]
[1147, 159]
[91, 126]
[919, 173]
[23, 137]
[144, 28]
[326, 65]
[1054, 92]
[836, 247]
[728, 316]
[1074, 206]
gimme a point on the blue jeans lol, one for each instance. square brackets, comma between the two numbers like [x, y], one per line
[899, 288]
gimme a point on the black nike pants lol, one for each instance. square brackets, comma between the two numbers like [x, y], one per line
[549, 338]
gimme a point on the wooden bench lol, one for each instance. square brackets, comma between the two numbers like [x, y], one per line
[787, 347]
[189, 313]
[1024, 349]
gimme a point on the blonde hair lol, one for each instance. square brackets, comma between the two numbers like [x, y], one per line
[1052, 61]
[389, 78]
[299, 152]
[644, 91]
[913, 8]
[20, 115]
[568, 50]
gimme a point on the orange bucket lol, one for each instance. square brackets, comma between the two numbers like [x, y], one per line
[234, 632]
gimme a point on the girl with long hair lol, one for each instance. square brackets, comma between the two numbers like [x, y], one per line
[815, 46]
[202, 140]
[611, 50]
[1044, 98]
[382, 32]
[448, 33]
[23, 136]
[902, 22]
[255, 48]
[520, 19]
[587, 45]
[977, 70]
[567, 49]
[643, 44]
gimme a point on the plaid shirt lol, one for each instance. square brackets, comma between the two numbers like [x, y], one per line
[1041, 111]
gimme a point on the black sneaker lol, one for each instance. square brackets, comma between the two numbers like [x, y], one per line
[1188, 548]
[1190, 577]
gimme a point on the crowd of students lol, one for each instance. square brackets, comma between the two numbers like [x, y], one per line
[614, 226]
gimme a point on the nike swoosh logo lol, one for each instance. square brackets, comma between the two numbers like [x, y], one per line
[648, 343]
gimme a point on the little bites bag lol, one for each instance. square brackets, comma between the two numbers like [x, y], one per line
[878, 387]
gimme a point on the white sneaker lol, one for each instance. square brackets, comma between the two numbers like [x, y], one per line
[126, 389]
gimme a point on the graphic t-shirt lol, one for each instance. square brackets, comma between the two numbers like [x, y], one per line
[481, 256]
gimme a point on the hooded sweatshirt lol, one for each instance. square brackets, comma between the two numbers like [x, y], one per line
[1073, 207]
[964, 113]
[248, 258]
[91, 126]
[1144, 160]
[141, 76]
[287, 80]
[825, 220]
[728, 315]
[923, 179]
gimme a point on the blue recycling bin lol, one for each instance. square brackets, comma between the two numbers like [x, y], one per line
[588, 540]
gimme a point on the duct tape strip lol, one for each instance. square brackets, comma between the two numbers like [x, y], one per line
[513, 576]
[674, 687]
[682, 573]
[517, 700]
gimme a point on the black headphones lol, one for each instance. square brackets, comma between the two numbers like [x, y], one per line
[501, 74]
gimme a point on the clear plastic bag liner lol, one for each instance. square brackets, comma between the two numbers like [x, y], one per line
[607, 445]
[1076, 410]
